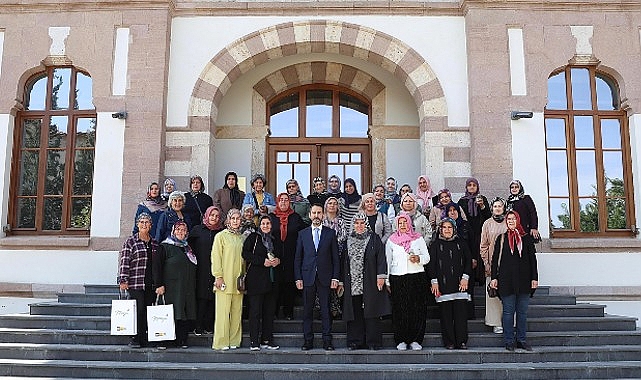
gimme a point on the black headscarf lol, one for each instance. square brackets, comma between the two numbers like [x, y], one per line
[235, 197]
[353, 197]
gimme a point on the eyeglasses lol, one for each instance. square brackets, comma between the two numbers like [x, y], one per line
[515, 187]
[144, 222]
[291, 186]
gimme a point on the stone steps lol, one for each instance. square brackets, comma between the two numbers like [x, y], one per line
[70, 339]
[239, 371]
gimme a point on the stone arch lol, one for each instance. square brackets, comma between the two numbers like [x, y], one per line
[318, 72]
[318, 36]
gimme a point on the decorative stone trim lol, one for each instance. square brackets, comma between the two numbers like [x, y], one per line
[318, 72]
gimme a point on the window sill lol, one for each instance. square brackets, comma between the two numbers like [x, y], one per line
[595, 243]
[44, 242]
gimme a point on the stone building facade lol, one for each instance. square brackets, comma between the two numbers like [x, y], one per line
[198, 81]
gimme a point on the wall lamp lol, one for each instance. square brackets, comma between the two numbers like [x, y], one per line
[516, 115]
[122, 115]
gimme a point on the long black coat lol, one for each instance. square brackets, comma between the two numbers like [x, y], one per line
[527, 211]
[173, 270]
[286, 250]
[201, 240]
[196, 207]
[258, 278]
[447, 269]
[376, 303]
[516, 272]
[475, 224]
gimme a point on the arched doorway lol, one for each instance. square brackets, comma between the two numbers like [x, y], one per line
[318, 130]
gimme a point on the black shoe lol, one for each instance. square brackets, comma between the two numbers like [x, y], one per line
[509, 347]
[134, 343]
[524, 346]
[328, 347]
[462, 346]
[374, 347]
[449, 346]
[308, 345]
[199, 332]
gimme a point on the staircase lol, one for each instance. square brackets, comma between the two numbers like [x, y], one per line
[70, 338]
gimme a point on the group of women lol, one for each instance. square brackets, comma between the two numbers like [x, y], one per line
[395, 247]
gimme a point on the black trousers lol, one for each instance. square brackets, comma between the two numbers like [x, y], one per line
[262, 308]
[287, 293]
[363, 331]
[143, 299]
[454, 321]
[409, 307]
[182, 330]
[205, 314]
[309, 299]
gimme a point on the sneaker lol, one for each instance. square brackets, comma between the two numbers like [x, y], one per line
[254, 348]
[498, 330]
[198, 332]
[524, 346]
[233, 347]
[415, 346]
[402, 346]
[226, 348]
[269, 345]
[161, 347]
[184, 346]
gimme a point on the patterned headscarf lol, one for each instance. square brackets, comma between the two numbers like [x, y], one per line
[498, 218]
[283, 216]
[154, 204]
[404, 239]
[511, 199]
[231, 212]
[472, 209]
[173, 240]
[424, 197]
[208, 212]
[336, 191]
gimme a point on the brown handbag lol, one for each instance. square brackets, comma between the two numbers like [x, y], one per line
[241, 281]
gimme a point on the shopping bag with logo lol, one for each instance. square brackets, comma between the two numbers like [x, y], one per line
[160, 321]
[124, 320]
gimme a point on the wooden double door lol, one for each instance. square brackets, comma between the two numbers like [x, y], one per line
[305, 161]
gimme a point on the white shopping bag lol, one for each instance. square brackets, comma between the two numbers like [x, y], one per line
[124, 320]
[160, 322]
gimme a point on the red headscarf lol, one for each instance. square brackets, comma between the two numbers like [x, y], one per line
[514, 235]
[283, 216]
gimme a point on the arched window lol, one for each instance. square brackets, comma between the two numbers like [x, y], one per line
[318, 130]
[588, 155]
[53, 157]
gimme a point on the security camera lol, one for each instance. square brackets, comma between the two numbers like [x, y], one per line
[119, 115]
[516, 115]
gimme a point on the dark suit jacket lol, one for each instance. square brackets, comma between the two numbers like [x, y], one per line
[309, 263]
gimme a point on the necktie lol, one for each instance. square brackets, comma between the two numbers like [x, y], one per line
[316, 237]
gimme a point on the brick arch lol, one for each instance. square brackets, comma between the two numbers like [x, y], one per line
[318, 72]
[317, 36]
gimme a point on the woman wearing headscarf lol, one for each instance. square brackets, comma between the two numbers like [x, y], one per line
[515, 275]
[172, 215]
[331, 219]
[391, 192]
[196, 201]
[201, 240]
[439, 211]
[463, 233]
[524, 205]
[174, 271]
[153, 205]
[334, 186]
[407, 255]
[262, 289]
[135, 273]
[230, 196]
[285, 226]
[319, 194]
[382, 204]
[424, 194]
[248, 223]
[364, 275]
[297, 201]
[419, 221]
[168, 187]
[492, 228]
[477, 211]
[350, 202]
[404, 189]
[226, 265]
[262, 201]
[449, 270]
[377, 221]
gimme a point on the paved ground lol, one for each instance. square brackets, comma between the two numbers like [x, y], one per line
[12, 305]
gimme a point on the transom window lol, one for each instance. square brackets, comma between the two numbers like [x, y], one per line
[54, 141]
[588, 155]
[318, 130]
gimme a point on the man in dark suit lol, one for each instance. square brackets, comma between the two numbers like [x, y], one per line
[316, 270]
